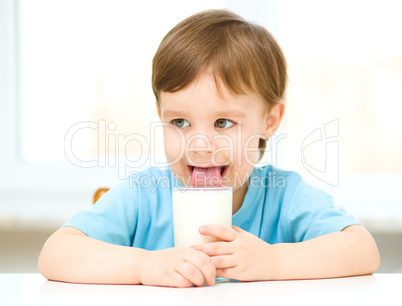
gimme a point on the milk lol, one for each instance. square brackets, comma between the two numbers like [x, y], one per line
[194, 207]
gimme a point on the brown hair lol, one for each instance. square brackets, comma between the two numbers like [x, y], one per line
[242, 55]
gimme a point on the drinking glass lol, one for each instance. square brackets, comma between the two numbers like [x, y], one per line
[197, 206]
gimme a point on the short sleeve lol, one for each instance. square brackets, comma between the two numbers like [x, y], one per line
[113, 217]
[311, 213]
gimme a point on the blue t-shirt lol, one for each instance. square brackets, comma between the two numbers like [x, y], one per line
[279, 207]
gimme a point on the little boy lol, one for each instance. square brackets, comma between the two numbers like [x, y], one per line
[219, 83]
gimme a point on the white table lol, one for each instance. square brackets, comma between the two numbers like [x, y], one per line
[377, 289]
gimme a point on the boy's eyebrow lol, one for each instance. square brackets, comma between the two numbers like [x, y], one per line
[173, 113]
[228, 113]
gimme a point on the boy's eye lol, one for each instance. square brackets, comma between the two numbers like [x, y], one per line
[180, 123]
[223, 123]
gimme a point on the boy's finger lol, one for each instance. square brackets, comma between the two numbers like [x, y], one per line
[225, 272]
[180, 281]
[238, 229]
[224, 261]
[205, 266]
[220, 232]
[215, 248]
[191, 273]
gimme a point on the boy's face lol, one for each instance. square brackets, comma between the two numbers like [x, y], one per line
[204, 128]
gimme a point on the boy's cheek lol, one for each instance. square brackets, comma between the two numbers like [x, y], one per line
[174, 145]
[173, 156]
[250, 151]
[222, 157]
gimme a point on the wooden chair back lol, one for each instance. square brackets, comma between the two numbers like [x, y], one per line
[100, 192]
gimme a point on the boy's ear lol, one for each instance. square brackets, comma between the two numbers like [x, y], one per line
[158, 110]
[273, 119]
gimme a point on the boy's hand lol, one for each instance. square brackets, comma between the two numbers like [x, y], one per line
[177, 267]
[239, 255]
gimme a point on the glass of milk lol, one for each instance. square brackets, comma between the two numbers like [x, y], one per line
[197, 206]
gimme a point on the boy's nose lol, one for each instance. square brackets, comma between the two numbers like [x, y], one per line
[199, 143]
[204, 151]
[199, 148]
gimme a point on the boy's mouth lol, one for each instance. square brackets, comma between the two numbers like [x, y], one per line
[207, 176]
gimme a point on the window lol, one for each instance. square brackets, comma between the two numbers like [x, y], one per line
[77, 89]
[78, 72]
[342, 120]
[82, 69]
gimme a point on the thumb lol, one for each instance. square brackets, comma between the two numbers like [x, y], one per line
[237, 229]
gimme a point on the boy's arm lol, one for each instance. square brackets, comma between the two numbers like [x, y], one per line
[244, 256]
[350, 252]
[70, 255]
